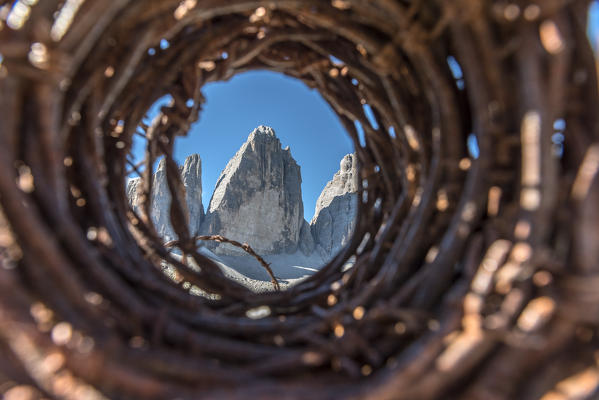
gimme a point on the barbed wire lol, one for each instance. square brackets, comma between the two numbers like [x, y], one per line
[475, 266]
[244, 246]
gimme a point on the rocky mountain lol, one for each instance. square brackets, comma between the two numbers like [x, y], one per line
[335, 214]
[134, 193]
[258, 198]
[191, 175]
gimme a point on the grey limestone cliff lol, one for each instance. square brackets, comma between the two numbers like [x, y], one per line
[258, 199]
[134, 192]
[191, 175]
[335, 214]
[306, 242]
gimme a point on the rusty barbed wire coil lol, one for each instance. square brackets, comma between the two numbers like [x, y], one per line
[475, 276]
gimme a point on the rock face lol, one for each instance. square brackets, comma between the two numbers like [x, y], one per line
[335, 214]
[161, 201]
[258, 199]
[306, 244]
[192, 180]
[191, 175]
[134, 192]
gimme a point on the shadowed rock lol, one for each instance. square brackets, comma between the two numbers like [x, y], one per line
[191, 175]
[192, 180]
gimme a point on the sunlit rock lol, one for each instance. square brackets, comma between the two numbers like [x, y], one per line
[335, 214]
[258, 198]
[191, 175]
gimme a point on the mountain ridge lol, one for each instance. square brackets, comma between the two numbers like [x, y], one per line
[257, 199]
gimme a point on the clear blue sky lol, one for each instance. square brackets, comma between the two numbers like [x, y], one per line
[300, 117]
[593, 30]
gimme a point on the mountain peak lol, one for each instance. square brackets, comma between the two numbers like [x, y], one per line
[258, 198]
[263, 130]
[348, 162]
[193, 159]
[334, 217]
[344, 181]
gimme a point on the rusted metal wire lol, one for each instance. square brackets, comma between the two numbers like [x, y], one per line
[475, 275]
[244, 246]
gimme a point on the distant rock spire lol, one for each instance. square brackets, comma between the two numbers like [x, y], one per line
[192, 180]
[335, 214]
[191, 175]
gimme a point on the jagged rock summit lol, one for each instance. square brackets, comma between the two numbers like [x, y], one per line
[191, 175]
[258, 199]
[335, 214]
